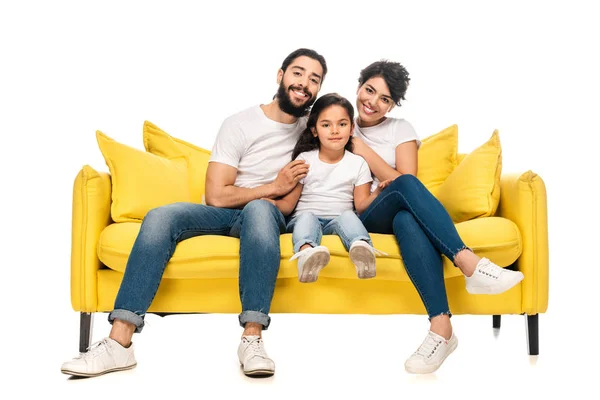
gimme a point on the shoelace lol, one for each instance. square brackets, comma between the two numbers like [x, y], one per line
[96, 348]
[301, 252]
[490, 270]
[428, 347]
[256, 348]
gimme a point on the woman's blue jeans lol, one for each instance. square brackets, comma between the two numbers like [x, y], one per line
[258, 226]
[423, 230]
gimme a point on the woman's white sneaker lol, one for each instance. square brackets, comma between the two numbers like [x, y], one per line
[102, 357]
[310, 262]
[489, 278]
[431, 354]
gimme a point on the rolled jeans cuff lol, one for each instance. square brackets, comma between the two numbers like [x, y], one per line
[255, 316]
[127, 316]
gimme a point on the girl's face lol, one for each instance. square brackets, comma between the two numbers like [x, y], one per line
[373, 101]
[334, 128]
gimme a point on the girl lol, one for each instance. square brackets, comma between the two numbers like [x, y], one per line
[324, 201]
[407, 209]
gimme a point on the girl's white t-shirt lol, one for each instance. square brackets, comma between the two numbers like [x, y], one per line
[385, 137]
[329, 188]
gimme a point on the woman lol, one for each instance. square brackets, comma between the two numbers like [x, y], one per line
[422, 227]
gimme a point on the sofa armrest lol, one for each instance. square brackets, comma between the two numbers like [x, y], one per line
[523, 201]
[91, 214]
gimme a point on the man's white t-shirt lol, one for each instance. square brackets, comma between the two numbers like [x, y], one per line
[385, 137]
[256, 145]
[329, 188]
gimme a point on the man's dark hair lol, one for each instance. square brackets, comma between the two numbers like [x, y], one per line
[308, 53]
[306, 141]
[394, 75]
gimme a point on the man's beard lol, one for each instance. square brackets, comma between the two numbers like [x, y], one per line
[286, 105]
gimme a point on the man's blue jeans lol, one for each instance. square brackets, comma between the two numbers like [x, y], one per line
[258, 226]
[423, 230]
[307, 228]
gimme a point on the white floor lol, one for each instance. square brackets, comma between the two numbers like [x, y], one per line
[319, 356]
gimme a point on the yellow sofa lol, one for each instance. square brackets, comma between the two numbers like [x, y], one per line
[202, 276]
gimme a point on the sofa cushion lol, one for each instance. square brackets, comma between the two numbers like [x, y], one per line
[213, 257]
[473, 189]
[437, 158]
[160, 143]
[142, 181]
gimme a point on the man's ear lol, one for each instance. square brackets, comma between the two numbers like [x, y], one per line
[279, 76]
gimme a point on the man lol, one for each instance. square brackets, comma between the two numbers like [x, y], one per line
[249, 161]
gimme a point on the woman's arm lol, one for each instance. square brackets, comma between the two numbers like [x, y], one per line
[406, 159]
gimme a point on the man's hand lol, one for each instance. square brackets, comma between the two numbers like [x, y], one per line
[289, 176]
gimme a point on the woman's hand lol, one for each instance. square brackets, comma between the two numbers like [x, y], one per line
[359, 145]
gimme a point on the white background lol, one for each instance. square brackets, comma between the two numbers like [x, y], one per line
[67, 69]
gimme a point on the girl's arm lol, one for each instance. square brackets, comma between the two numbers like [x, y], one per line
[406, 159]
[287, 203]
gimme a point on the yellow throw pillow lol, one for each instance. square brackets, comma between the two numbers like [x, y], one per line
[437, 158]
[160, 143]
[473, 188]
[142, 181]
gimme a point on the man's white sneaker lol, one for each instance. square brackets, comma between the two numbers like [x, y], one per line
[489, 278]
[362, 255]
[102, 357]
[254, 358]
[431, 354]
[310, 262]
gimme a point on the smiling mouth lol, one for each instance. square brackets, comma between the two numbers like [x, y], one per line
[368, 109]
[300, 93]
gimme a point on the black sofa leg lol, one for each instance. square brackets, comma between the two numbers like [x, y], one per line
[497, 320]
[533, 335]
[85, 331]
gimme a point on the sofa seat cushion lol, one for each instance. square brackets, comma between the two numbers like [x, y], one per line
[217, 257]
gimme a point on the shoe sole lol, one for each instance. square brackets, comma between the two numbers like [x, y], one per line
[259, 372]
[364, 261]
[90, 375]
[432, 368]
[313, 265]
[501, 289]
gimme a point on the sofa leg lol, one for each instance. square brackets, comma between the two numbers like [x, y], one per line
[85, 331]
[533, 335]
[496, 321]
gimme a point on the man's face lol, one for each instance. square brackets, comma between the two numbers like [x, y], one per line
[299, 85]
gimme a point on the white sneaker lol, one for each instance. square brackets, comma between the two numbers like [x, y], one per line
[102, 357]
[254, 358]
[489, 278]
[431, 354]
[310, 262]
[362, 255]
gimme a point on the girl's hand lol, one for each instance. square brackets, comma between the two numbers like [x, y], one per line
[383, 185]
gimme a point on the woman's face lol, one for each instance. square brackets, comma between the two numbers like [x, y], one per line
[373, 101]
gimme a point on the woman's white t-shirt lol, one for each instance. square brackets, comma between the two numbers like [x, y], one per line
[385, 137]
[329, 188]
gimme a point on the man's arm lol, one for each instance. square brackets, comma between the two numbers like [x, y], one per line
[288, 202]
[221, 192]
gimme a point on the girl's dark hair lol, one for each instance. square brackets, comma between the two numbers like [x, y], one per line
[394, 75]
[306, 141]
